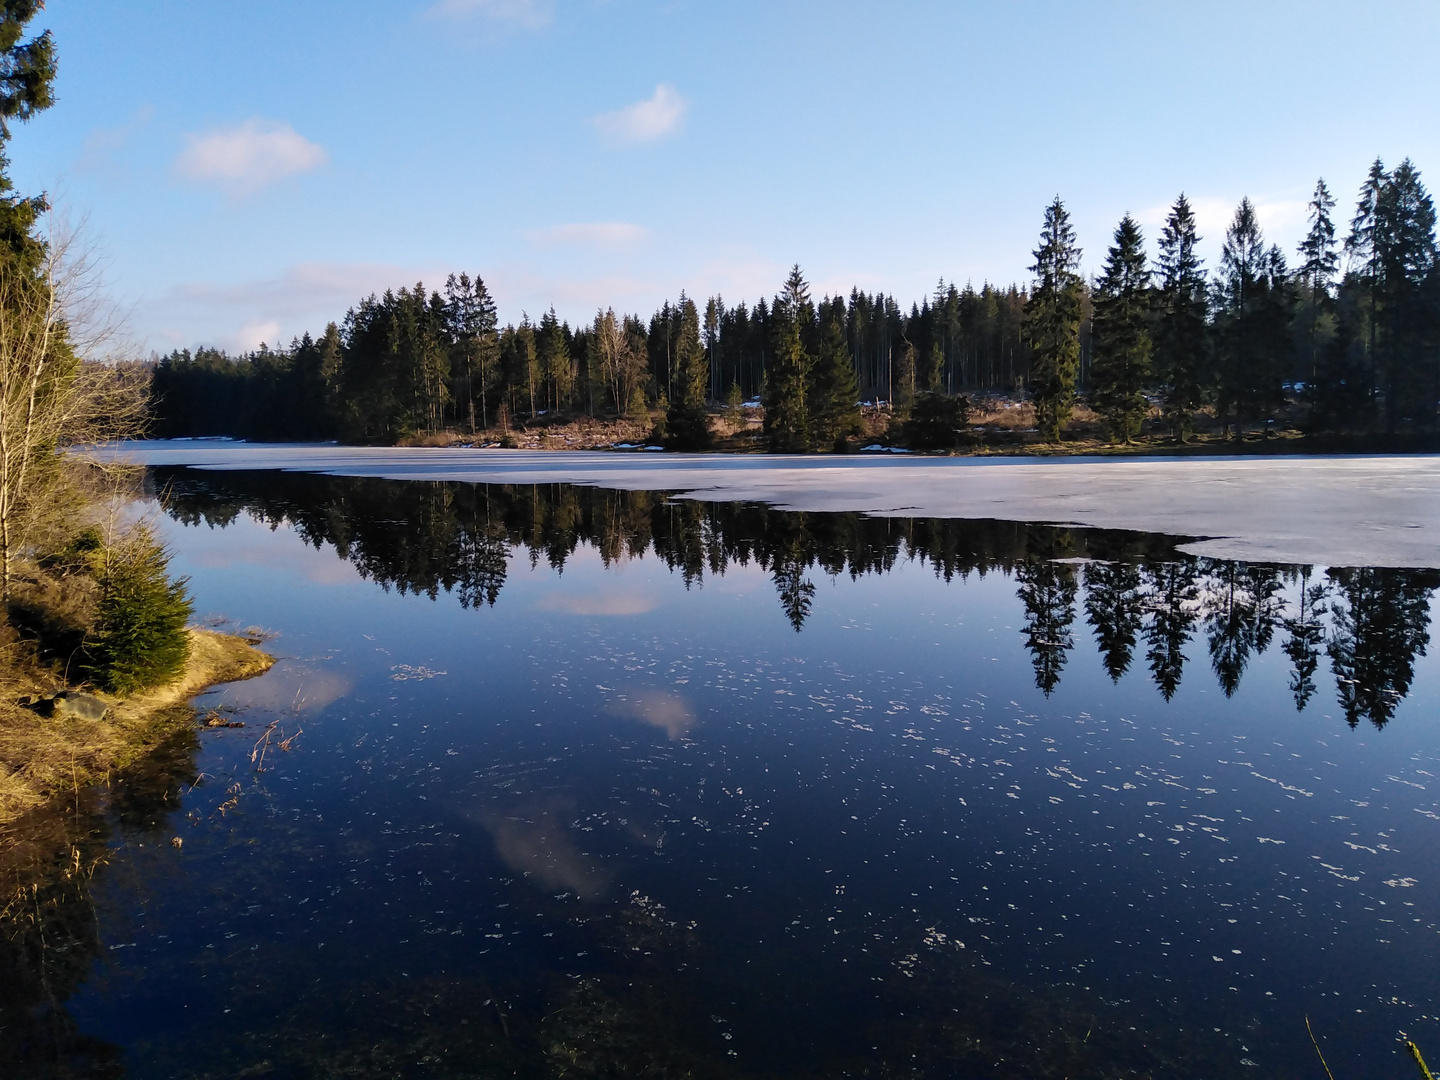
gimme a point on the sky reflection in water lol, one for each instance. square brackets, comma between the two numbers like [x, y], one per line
[773, 819]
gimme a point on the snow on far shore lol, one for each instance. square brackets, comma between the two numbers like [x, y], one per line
[1330, 511]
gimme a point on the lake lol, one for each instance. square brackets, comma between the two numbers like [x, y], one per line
[557, 780]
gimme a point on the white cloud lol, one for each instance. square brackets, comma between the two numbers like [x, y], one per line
[597, 234]
[257, 332]
[239, 316]
[657, 117]
[530, 14]
[244, 159]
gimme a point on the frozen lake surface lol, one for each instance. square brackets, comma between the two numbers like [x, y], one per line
[1335, 511]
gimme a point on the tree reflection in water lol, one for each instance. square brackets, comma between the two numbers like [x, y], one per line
[51, 861]
[429, 537]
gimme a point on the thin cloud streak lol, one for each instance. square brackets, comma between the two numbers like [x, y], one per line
[659, 116]
[102, 146]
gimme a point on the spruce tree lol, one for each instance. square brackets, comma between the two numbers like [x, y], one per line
[1405, 253]
[470, 320]
[1182, 343]
[833, 397]
[1052, 322]
[1362, 254]
[1120, 337]
[1316, 272]
[1253, 312]
[787, 421]
[138, 640]
[27, 81]
[556, 365]
[687, 424]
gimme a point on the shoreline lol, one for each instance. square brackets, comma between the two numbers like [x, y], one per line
[1334, 510]
[62, 756]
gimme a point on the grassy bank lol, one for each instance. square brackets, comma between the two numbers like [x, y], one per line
[45, 756]
[997, 425]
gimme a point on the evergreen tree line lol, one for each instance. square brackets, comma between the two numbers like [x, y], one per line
[1139, 597]
[413, 362]
[1359, 350]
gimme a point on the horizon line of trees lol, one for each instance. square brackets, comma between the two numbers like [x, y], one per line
[1359, 350]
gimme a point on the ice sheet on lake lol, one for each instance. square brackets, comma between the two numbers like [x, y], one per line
[1333, 511]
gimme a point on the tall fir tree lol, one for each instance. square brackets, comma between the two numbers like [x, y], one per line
[471, 320]
[787, 421]
[1405, 254]
[556, 364]
[1182, 336]
[1120, 335]
[1319, 261]
[1362, 255]
[1253, 309]
[1052, 322]
[687, 423]
[832, 397]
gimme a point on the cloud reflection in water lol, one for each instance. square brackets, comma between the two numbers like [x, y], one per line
[667, 711]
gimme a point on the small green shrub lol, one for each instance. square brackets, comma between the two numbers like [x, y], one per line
[935, 421]
[138, 640]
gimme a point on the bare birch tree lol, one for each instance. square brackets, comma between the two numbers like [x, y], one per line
[55, 392]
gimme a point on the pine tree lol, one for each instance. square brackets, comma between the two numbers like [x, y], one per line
[833, 397]
[687, 421]
[1181, 330]
[556, 365]
[470, 319]
[1120, 337]
[1362, 254]
[1316, 272]
[1052, 322]
[1253, 312]
[787, 421]
[139, 639]
[1405, 253]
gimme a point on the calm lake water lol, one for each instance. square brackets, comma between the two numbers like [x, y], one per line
[569, 782]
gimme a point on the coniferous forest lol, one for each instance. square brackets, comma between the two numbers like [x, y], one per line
[1340, 337]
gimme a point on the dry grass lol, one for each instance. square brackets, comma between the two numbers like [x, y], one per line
[42, 757]
[547, 433]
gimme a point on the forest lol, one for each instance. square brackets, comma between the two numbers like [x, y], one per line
[1143, 600]
[1340, 337]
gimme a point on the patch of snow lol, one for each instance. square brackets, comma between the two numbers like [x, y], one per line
[1380, 510]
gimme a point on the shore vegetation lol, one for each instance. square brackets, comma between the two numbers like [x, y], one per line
[94, 646]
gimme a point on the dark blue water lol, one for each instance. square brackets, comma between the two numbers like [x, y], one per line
[583, 784]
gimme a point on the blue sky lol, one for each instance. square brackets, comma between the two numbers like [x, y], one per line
[250, 169]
